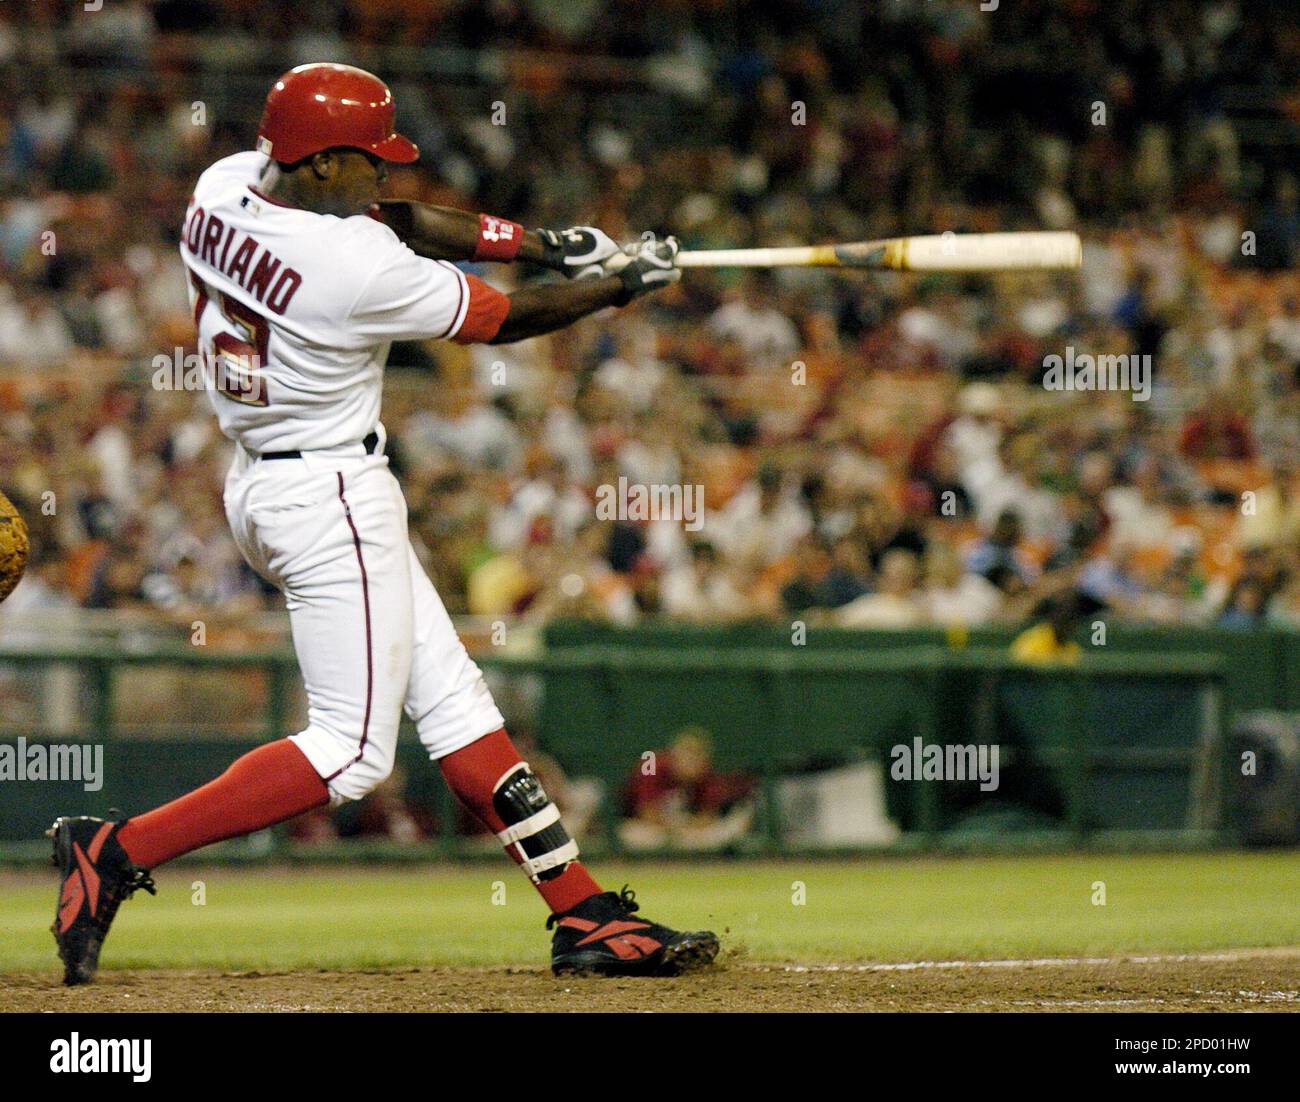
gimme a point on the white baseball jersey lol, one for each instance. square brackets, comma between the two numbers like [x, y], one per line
[296, 311]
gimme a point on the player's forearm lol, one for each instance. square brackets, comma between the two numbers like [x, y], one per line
[543, 308]
[546, 307]
[445, 233]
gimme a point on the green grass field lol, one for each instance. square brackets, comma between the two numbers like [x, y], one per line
[869, 909]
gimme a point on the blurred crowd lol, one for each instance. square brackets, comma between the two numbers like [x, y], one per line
[873, 450]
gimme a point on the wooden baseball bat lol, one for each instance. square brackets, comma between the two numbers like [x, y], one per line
[947, 252]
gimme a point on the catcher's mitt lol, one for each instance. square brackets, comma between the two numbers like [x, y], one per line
[13, 547]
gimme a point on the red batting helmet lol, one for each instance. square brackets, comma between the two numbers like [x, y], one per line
[324, 106]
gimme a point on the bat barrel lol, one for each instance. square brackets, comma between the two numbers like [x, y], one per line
[991, 252]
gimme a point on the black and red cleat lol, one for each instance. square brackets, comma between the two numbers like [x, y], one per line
[600, 937]
[96, 876]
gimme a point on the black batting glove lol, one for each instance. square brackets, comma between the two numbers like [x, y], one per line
[648, 268]
[570, 251]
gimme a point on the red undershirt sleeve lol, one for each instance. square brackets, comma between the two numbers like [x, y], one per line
[488, 308]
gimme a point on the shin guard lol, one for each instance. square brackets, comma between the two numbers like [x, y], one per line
[532, 826]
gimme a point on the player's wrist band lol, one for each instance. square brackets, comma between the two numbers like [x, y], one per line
[498, 238]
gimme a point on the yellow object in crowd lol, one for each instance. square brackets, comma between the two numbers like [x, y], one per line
[1038, 645]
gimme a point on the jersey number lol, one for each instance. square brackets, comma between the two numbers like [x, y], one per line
[237, 363]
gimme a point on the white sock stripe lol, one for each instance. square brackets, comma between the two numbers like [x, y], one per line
[526, 828]
[534, 866]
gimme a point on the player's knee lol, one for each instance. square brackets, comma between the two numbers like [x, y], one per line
[375, 767]
[363, 773]
[532, 822]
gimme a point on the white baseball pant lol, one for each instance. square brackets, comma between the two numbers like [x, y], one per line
[370, 631]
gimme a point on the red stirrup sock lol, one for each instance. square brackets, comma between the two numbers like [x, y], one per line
[266, 786]
[490, 778]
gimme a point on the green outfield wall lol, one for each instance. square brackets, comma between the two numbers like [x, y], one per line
[1126, 748]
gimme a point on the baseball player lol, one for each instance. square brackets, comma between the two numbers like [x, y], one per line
[300, 279]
